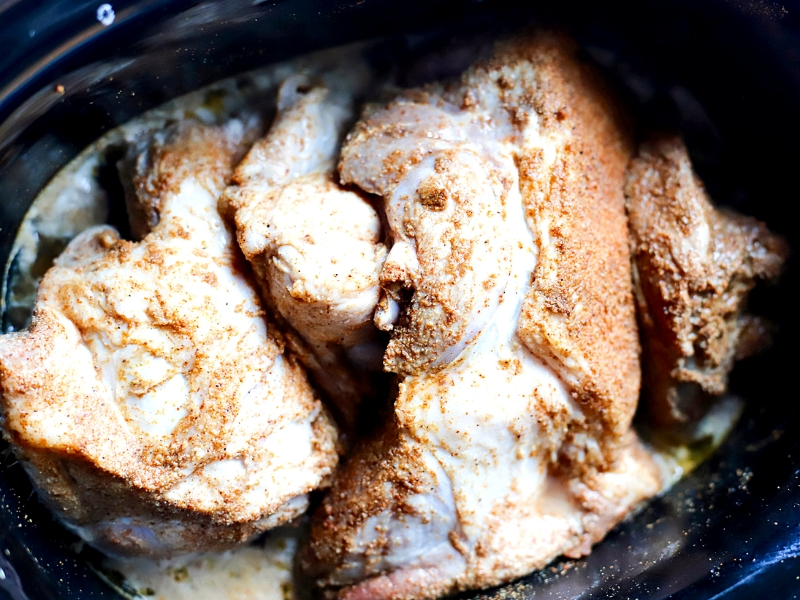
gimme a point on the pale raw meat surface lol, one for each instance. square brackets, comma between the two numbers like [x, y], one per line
[315, 247]
[149, 402]
[507, 291]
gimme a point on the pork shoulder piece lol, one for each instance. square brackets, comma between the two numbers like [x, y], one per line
[315, 246]
[694, 266]
[507, 292]
[149, 402]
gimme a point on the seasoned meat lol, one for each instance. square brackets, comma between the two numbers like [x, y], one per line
[150, 402]
[694, 266]
[507, 292]
[315, 247]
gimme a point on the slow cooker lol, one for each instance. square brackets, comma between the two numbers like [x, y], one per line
[725, 73]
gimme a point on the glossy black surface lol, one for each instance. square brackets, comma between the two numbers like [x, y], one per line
[727, 74]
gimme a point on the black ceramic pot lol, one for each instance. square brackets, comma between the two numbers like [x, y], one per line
[727, 74]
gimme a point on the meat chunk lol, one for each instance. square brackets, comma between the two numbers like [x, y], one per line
[694, 266]
[149, 402]
[314, 246]
[508, 294]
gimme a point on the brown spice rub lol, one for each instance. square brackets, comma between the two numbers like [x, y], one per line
[381, 460]
[694, 266]
[579, 313]
[434, 318]
[152, 170]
